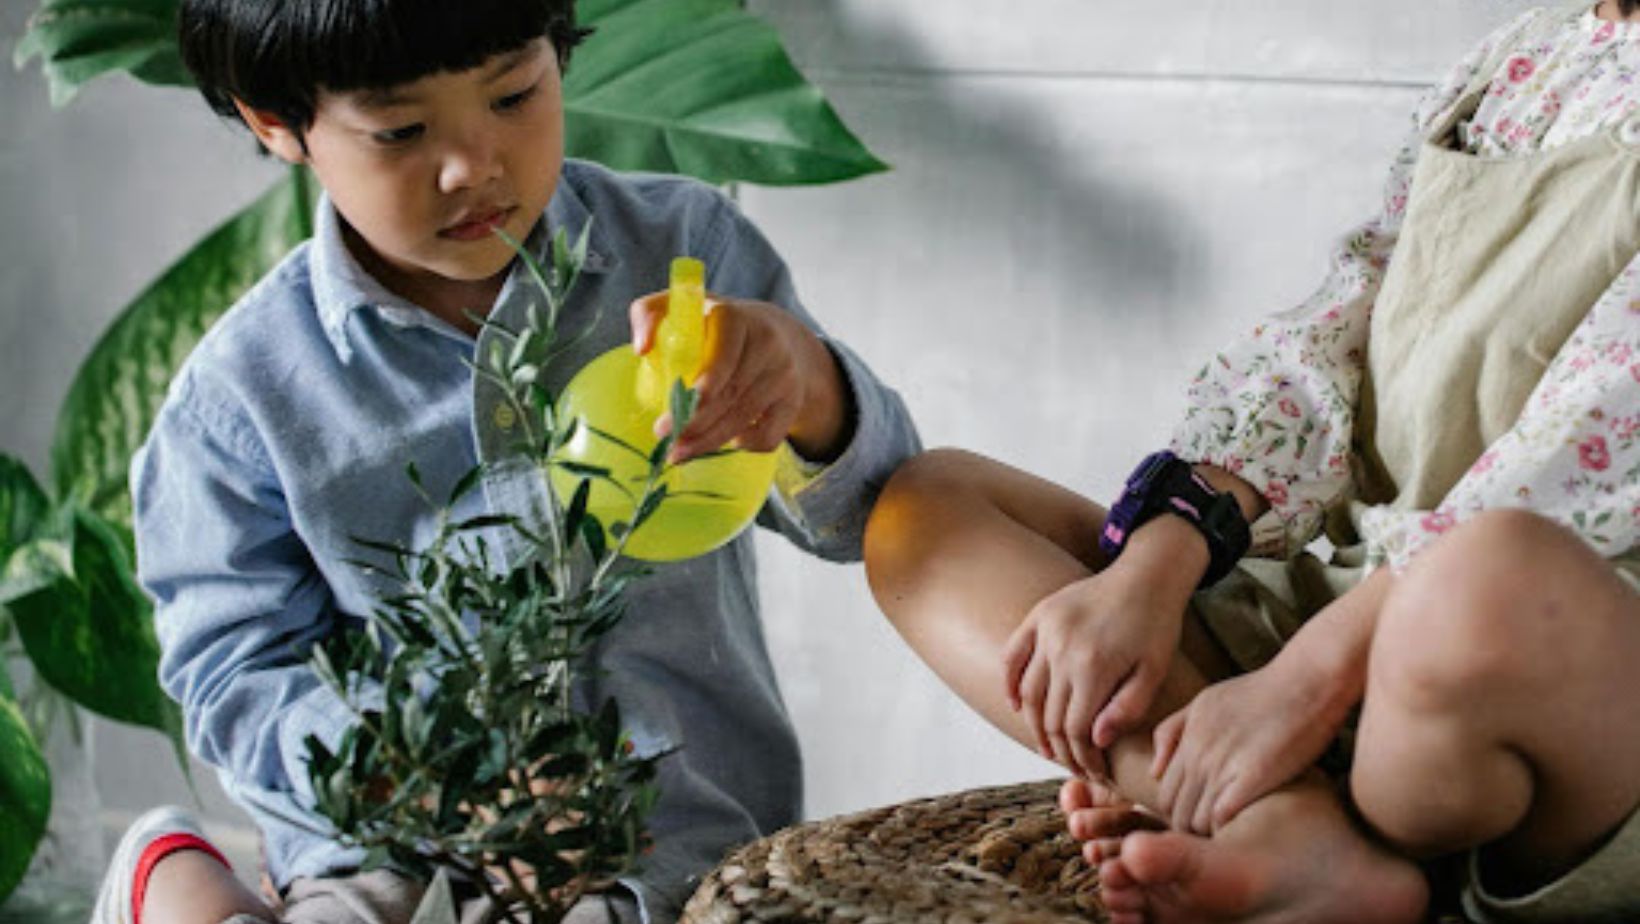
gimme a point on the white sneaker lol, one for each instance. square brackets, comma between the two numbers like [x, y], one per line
[157, 834]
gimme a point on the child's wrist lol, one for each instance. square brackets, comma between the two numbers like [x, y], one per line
[1167, 552]
[824, 425]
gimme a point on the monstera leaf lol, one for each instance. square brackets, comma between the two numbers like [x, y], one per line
[701, 87]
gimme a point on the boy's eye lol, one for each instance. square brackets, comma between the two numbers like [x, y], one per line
[514, 100]
[400, 135]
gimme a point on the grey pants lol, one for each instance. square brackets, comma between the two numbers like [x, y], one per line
[385, 897]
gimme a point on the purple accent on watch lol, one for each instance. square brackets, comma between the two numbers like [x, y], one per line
[1164, 483]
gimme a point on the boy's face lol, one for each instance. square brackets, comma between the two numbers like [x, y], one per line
[423, 171]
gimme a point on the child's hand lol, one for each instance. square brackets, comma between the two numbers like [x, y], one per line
[1236, 742]
[765, 377]
[1241, 739]
[1087, 661]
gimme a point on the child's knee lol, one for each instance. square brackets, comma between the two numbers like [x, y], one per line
[1480, 611]
[904, 511]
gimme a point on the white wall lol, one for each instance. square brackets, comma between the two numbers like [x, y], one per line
[1088, 197]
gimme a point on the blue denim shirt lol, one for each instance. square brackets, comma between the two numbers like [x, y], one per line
[287, 432]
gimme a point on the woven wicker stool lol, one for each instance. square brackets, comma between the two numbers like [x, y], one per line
[986, 856]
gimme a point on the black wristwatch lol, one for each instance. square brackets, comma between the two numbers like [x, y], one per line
[1164, 483]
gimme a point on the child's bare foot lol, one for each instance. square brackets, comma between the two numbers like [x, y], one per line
[1291, 858]
[1099, 816]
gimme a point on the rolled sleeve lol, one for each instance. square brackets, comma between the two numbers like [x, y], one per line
[824, 507]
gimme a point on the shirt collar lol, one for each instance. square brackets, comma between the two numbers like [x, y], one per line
[341, 286]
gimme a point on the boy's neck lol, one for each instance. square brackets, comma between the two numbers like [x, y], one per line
[456, 302]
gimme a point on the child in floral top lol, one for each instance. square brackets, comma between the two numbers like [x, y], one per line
[1459, 408]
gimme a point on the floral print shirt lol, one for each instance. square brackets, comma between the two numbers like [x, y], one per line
[1278, 406]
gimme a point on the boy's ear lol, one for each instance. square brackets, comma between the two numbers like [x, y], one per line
[275, 133]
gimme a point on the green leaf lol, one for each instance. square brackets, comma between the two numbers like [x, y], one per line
[121, 385]
[79, 40]
[25, 796]
[23, 505]
[90, 634]
[701, 87]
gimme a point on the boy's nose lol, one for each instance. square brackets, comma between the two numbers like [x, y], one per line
[472, 163]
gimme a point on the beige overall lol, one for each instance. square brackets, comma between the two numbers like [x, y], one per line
[1498, 261]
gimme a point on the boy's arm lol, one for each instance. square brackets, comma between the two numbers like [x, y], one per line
[238, 601]
[820, 503]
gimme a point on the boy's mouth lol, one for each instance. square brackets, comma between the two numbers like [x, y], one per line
[477, 226]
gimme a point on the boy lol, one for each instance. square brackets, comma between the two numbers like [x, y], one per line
[429, 126]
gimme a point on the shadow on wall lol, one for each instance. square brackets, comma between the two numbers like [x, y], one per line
[1059, 197]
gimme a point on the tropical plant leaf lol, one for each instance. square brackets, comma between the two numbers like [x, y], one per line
[25, 796]
[121, 385]
[704, 88]
[80, 40]
[23, 504]
[90, 633]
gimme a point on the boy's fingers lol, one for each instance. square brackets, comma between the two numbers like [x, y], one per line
[736, 408]
[724, 351]
[769, 426]
[645, 315]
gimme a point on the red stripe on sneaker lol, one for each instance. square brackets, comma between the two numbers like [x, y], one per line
[159, 849]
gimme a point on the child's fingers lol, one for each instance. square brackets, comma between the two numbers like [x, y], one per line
[1079, 732]
[1236, 796]
[1166, 739]
[1016, 656]
[736, 408]
[1033, 692]
[1201, 820]
[645, 315]
[724, 352]
[1053, 719]
[1126, 709]
[1187, 799]
[769, 426]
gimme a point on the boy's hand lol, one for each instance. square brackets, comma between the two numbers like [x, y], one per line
[765, 378]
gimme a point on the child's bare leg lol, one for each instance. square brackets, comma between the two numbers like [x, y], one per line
[1503, 703]
[192, 887]
[958, 551]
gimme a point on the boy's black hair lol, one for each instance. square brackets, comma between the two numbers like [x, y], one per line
[276, 55]
[1628, 6]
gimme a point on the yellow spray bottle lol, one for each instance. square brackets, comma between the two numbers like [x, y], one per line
[618, 397]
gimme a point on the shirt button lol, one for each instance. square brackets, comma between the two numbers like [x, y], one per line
[505, 418]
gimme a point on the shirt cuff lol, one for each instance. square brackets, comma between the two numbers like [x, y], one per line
[831, 501]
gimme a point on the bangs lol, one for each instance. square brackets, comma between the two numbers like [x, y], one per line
[279, 54]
